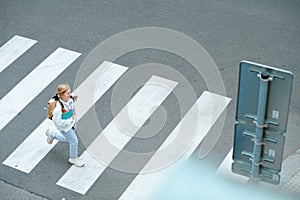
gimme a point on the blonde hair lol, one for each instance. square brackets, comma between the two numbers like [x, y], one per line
[62, 88]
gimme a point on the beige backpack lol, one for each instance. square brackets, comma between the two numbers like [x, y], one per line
[50, 107]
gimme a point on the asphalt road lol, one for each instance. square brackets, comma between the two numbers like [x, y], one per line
[265, 32]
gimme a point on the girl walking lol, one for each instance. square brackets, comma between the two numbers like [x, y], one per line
[64, 118]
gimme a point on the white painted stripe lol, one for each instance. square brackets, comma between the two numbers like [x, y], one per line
[139, 109]
[225, 169]
[13, 49]
[34, 83]
[206, 111]
[35, 148]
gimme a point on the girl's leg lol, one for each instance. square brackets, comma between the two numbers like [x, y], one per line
[73, 142]
[59, 136]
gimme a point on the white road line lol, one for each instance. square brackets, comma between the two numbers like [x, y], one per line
[112, 139]
[13, 49]
[35, 148]
[34, 83]
[225, 169]
[206, 111]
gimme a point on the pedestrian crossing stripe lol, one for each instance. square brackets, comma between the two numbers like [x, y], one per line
[210, 112]
[25, 158]
[34, 83]
[139, 109]
[13, 49]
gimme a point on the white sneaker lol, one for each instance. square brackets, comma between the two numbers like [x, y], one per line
[76, 161]
[49, 136]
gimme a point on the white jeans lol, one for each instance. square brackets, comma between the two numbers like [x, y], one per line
[69, 137]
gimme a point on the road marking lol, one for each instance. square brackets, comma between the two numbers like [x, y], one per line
[225, 169]
[206, 111]
[13, 49]
[34, 83]
[139, 109]
[34, 148]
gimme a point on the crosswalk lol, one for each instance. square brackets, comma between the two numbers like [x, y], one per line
[108, 144]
